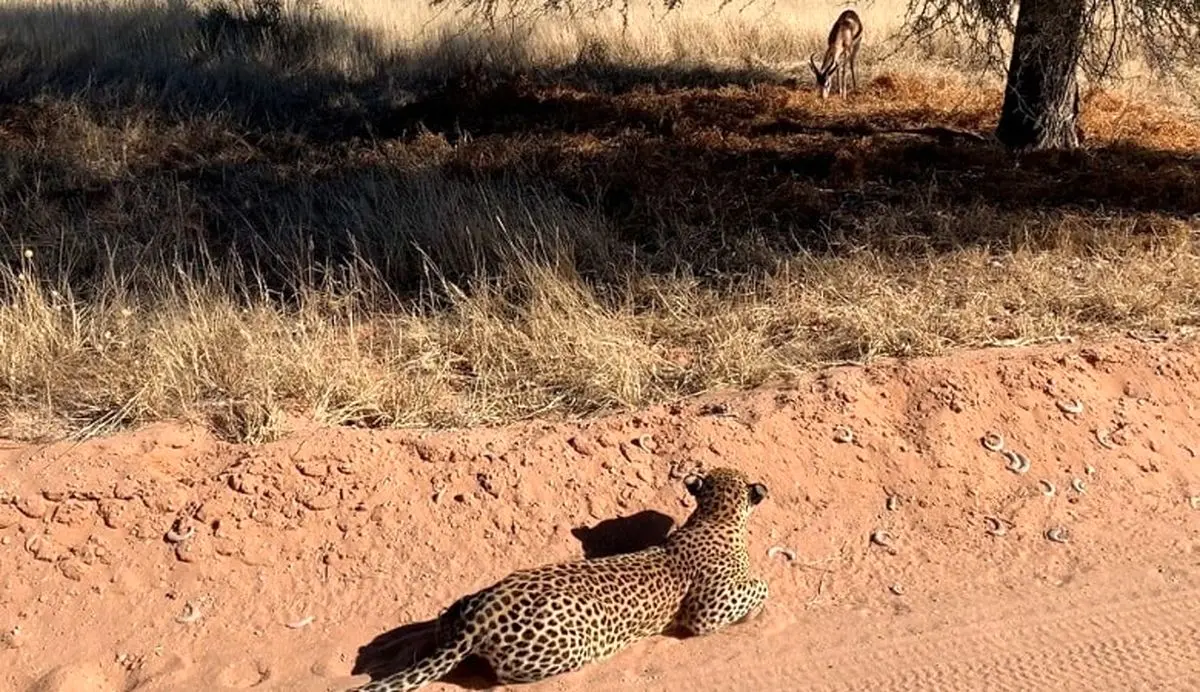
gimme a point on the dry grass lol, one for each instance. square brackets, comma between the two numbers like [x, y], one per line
[402, 220]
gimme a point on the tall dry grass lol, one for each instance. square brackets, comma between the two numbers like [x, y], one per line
[216, 219]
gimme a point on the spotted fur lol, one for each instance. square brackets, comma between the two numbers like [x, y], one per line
[554, 619]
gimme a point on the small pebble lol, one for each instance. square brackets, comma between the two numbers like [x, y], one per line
[786, 552]
[1017, 462]
[1057, 535]
[995, 527]
[1074, 406]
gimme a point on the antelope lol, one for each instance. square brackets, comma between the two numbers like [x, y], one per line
[844, 39]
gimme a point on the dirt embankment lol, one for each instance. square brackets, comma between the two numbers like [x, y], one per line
[165, 560]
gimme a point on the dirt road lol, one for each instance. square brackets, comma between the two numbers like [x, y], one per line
[166, 560]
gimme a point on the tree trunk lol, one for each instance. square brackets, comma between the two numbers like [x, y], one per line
[1041, 98]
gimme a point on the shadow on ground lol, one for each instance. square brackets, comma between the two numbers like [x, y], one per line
[254, 146]
[306, 73]
[622, 535]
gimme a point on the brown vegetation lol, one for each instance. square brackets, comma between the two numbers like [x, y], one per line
[248, 218]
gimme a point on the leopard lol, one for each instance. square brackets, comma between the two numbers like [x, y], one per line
[553, 619]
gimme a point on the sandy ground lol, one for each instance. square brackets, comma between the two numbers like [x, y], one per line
[304, 554]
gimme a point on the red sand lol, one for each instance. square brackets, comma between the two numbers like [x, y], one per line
[358, 532]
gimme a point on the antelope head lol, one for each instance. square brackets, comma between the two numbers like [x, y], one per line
[822, 74]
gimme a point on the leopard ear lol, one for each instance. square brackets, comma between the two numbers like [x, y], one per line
[693, 482]
[758, 493]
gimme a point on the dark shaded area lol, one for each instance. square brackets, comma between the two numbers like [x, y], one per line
[258, 157]
[729, 182]
[690, 134]
[622, 535]
[266, 74]
[269, 73]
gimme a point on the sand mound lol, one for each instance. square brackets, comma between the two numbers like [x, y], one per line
[165, 560]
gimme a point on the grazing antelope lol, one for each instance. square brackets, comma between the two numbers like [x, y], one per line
[844, 39]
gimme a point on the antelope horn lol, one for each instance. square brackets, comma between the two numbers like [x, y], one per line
[812, 61]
